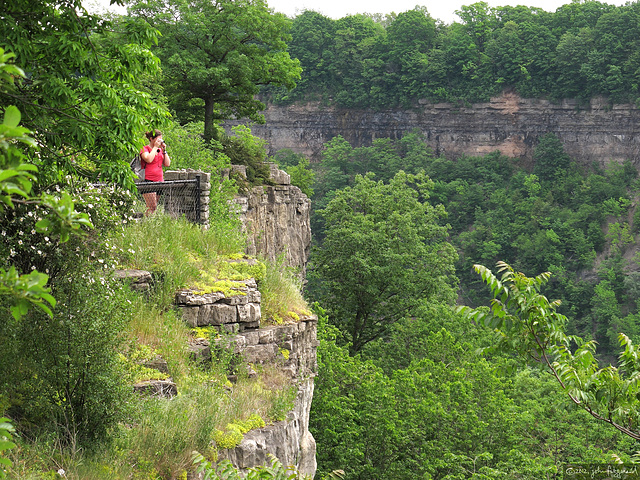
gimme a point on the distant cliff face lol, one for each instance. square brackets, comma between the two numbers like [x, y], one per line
[596, 132]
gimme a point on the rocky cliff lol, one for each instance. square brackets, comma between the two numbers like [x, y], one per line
[276, 218]
[597, 132]
[290, 348]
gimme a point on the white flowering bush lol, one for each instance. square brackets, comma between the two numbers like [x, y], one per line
[59, 372]
[23, 246]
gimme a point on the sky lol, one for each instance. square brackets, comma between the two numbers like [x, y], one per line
[439, 9]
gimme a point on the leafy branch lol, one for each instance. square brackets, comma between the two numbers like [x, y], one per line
[16, 183]
[527, 323]
[6, 429]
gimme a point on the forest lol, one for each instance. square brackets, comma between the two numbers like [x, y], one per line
[478, 316]
[583, 49]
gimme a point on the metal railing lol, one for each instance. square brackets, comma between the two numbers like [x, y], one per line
[177, 197]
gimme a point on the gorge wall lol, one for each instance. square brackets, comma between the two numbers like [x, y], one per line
[597, 132]
[277, 220]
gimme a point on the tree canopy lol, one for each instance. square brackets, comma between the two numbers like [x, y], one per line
[220, 53]
[581, 50]
[528, 324]
[383, 256]
[83, 96]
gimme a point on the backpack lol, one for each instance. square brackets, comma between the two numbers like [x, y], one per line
[138, 167]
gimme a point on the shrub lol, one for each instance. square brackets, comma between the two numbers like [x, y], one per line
[61, 373]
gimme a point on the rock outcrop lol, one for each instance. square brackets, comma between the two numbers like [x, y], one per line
[291, 347]
[596, 132]
[276, 218]
[294, 348]
[233, 313]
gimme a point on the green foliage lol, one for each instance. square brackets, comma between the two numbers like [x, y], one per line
[188, 149]
[58, 367]
[86, 105]
[298, 167]
[243, 148]
[551, 160]
[234, 432]
[230, 438]
[16, 179]
[528, 324]
[6, 429]
[283, 402]
[384, 255]
[175, 250]
[60, 373]
[496, 207]
[445, 413]
[226, 471]
[282, 300]
[133, 364]
[581, 50]
[219, 53]
[560, 219]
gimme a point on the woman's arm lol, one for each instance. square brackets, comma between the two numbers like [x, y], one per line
[148, 156]
[166, 161]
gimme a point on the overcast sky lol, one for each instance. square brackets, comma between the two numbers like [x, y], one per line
[439, 9]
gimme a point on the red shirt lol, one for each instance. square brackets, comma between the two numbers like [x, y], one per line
[153, 170]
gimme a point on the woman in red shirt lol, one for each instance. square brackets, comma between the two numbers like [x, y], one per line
[154, 156]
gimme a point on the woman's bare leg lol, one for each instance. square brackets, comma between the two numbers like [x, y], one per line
[151, 200]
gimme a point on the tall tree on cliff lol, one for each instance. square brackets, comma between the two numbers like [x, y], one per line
[217, 54]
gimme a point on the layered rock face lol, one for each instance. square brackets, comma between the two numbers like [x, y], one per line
[288, 440]
[597, 132]
[276, 217]
[291, 348]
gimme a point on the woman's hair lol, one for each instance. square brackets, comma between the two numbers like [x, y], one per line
[153, 134]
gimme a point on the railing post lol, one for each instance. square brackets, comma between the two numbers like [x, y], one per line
[198, 197]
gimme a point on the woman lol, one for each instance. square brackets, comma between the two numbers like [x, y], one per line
[154, 157]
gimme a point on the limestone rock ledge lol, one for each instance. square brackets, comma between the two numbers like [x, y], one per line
[596, 132]
[293, 347]
[290, 440]
[277, 220]
[233, 313]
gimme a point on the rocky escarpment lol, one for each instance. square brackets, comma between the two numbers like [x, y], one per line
[276, 218]
[596, 132]
[294, 348]
[291, 347]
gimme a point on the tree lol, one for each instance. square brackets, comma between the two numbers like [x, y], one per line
[355, 39]
[410, 37]
[220, 53]
[528, 324]
[445, 414]
[16, 183]
[82, 96]
[298, 168]
[384, 255]
[550, 157]
[480, 21]
[313, 44]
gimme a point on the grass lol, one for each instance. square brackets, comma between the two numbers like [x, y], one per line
[158, 440]
[282, 300]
